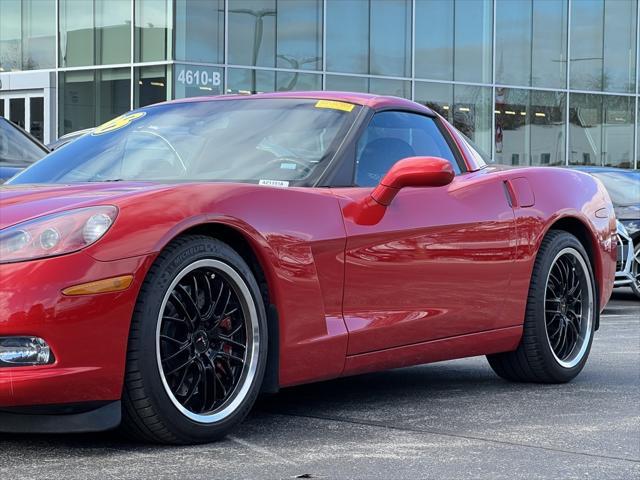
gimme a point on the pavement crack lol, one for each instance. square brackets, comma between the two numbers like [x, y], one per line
[372, 423]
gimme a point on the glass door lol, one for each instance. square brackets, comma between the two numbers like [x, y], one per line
[26, 111]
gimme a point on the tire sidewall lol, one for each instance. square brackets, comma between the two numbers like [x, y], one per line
[558, 372]
[150, 301]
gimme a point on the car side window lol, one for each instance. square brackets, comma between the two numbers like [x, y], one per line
[392, 136]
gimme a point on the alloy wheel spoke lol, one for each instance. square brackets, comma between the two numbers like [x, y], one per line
[231, 342]
[183, 309]
[203, 341]
[180, 367]
[175, 341]
[229, 357]
[178, 352]
[192, 303]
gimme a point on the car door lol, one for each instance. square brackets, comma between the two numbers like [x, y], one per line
[437, 261]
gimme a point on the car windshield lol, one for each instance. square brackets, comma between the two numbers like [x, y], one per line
[272, 141]
[16, 149]
[623, 187]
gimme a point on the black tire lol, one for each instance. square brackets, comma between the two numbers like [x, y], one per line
[151, 410]
[534, 360]
[635, 269]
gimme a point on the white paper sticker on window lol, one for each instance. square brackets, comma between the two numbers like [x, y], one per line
[274, 183]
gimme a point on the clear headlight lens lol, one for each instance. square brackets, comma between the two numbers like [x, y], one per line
[55, 234]
[23, 351]
[632, 226]
[621, 229]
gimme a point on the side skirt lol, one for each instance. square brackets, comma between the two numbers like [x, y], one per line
[106, 417]
[470, 345]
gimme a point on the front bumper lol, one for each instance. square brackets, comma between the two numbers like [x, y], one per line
[103, 417]
[87, 334]
[625, 258]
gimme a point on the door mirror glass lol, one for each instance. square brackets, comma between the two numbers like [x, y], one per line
[413, 172]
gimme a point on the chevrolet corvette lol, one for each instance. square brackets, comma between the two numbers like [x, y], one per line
[161, 272]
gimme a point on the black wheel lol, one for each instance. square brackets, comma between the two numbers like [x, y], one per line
[635, 268]
[197, 347]
[560, 316]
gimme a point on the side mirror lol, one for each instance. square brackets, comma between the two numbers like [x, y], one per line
[413, 172]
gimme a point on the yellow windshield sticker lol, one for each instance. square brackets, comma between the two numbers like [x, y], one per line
[346, 107]
[117, 123]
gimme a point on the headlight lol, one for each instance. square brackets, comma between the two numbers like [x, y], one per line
[55, 234]
[632, 226]
[621, 229]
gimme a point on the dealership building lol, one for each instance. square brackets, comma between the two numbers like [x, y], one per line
[532, 82]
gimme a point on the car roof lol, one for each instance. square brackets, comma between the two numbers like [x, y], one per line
[377, 102]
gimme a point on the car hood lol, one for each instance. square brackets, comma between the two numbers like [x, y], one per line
[628, 212]
[19, 203]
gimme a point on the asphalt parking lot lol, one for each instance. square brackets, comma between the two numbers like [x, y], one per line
[447, 420]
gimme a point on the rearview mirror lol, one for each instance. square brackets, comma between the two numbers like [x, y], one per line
[413, 172]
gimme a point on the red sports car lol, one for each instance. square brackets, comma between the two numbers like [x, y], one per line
[162, 271]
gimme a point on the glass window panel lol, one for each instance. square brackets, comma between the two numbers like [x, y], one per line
[152, 85]
[472, 112]
[619, 46]
[434, 40]
[601, 130]
[380, 86]
[473, 29]
[617, 131]
[36, 117]
[529, 127]
[384, 86]
[200, 30]
[10, 35]
[88, 98]
[365, 36]
[299, 34]
[27, 34]
[16, 111]
[197, 80]
[269, 33]
[549, 49]
[113, 31]
[152, 32]
[547, 117]
[466, 107]
[252, 38]
[38, 34]
[513, 41]
[291, 81]
[436, 96]
[1, 107]
[390, 42]
[246, 81]
[95, 33]
[114, 93]
[76, 33]
[343, 83]
[76, 97]
[603, 45]
[347, 36]
[531, 42]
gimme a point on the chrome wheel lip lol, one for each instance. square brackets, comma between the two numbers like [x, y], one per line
[586, 326]
[253, 342]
